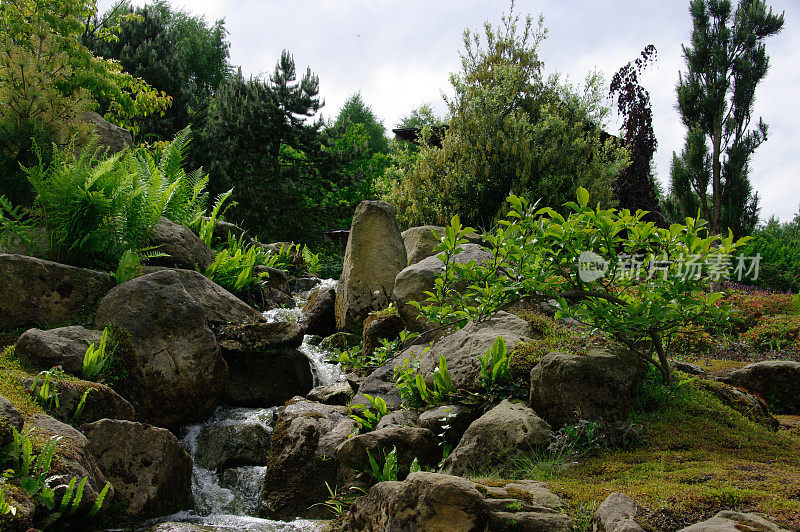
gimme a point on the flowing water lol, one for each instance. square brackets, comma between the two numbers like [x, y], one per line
[229, 503]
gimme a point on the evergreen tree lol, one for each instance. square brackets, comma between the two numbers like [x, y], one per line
[173, 51]
[725, 63]
[355, 111]
[635, 187]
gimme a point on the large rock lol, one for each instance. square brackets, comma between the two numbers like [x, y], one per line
[9, 418]
[442, 503]
[148, 467]
[776, 381]
[616, 514]
[463, 349]
[319, 316]
[410, 443]
[381, 382]
[72, 459]
[730, 521]
[65, 347]
[184, 249]
[219, 305]
[101, 402]
[416, 279]
[373, 258]
[264, 368]
[420, 241]
[175, 371]
[385, 326]
[303, 459]
[109, 136]
[449, 422]
[224, 446]
[505, 430]
[336, 393]
[398, 418]
[748, 405]
[599, 385]
[35, 292]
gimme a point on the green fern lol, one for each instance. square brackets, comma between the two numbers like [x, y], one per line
[95, 360]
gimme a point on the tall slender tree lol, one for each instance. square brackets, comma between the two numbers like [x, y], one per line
[635, 187]
[725, 62]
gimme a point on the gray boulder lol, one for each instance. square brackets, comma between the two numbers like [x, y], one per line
[303, 458]
[373, 258]
[449, 421]
[380, 327]
[72, 459]
[219, 306]
[730, 521]
[599, 385]
[108, 136]
[102, 402]
[319, 316]
[436, 502]
[183, 247]
[175, 371]
[336, 393]
[505, 430]
[463, 349]
[36, 292]
[777, 381]
[9, 417]
[224, 446]
[420, 241]
[410, 443]
[65, 347]
[398, 418]
[416, 279]
[616, 514]
[148, 467]
[381, 383]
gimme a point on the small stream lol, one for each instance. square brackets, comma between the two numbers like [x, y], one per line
[229, 502]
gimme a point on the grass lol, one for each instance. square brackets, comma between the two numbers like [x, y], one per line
[701, 457]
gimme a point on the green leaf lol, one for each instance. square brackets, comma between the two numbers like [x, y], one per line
[583, 196]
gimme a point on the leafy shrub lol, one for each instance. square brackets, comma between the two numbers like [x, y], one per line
[368, 419]
[750, 306]
[414, 391]
[775, 332]
[690, 339]
[779, 246]
[538, 255]
[494, 365]
[96, 360]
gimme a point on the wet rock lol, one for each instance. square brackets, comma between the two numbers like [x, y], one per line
[374, 256]
[616, 514]
[502, 432]
[64, 346]
[730, 521]
[437, 502]
[175, 372]
[337, 393]
[303, 458]
[226, 446]
[318, 315]
[148, 467]
[37, 292]
[183, 248]
[777, 381]
[599, 385]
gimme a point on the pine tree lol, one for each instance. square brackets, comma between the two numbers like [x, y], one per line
[725, 63]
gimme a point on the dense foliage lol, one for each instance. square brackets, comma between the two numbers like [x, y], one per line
[606, 268]
[177, 53]
[725, 63]
[778, 244]
[510, 130]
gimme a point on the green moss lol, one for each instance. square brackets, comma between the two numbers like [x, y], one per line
[11, 372]
[525, 356]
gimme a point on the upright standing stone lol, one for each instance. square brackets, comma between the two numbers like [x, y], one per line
[375, 255]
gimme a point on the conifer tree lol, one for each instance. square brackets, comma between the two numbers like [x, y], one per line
[725, 62]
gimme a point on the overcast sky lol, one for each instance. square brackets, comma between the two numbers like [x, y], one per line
[399, 53]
